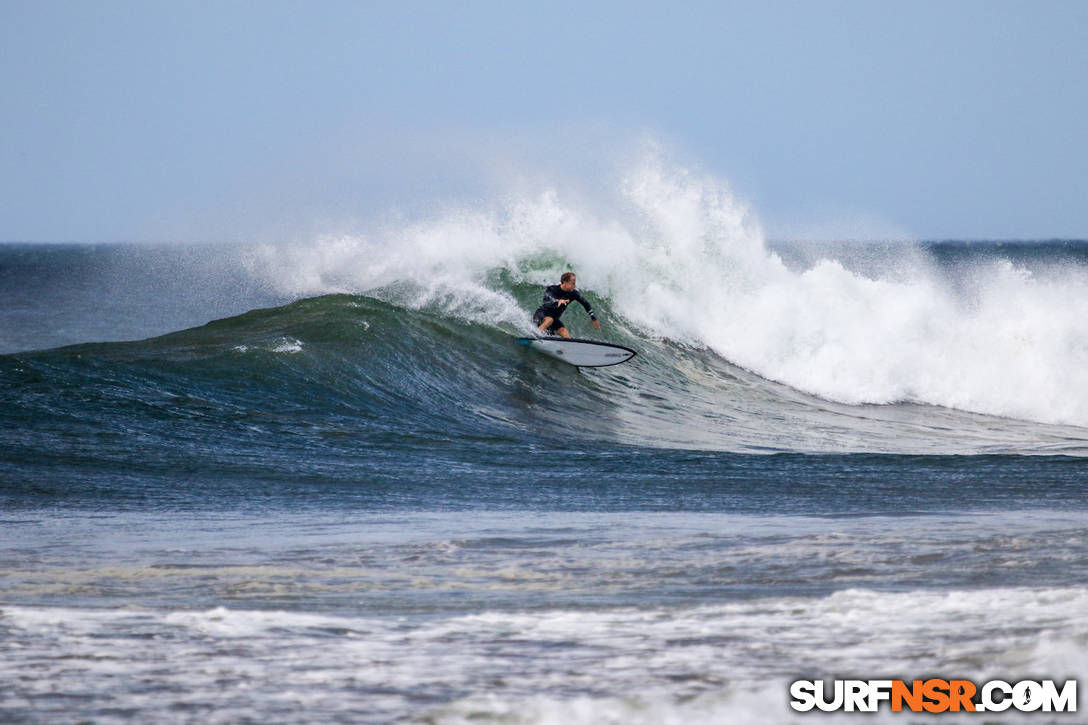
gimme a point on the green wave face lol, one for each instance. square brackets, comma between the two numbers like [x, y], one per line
[386, 376]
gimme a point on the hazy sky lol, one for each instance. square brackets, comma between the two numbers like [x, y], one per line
[196, 120]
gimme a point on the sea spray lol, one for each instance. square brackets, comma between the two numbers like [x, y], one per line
[682, 259]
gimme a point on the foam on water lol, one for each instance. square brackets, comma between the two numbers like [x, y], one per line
[681, 258]
[701, 664]
[288, 345]
[530, 617]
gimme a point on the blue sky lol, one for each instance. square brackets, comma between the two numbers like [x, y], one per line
[198, 121]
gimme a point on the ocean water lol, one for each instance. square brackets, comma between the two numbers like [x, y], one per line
[317, 480]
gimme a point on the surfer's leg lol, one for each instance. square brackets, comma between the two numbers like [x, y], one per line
[542, 320]
[563, 332]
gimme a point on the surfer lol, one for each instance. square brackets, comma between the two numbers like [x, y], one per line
[556, 299]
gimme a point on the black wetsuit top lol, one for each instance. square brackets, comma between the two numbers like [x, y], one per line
[552, 308]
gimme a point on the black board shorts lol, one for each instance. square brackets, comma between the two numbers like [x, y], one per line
[553, 328]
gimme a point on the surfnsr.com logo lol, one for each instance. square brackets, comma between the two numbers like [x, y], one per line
[934, 696]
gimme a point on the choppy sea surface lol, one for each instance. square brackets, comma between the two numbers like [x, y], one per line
[350, 497]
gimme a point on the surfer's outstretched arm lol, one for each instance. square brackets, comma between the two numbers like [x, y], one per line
[589, 309]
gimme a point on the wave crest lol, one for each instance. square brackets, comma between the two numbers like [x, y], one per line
[680, 258]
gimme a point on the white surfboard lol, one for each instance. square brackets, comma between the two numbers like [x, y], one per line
[583, 353]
